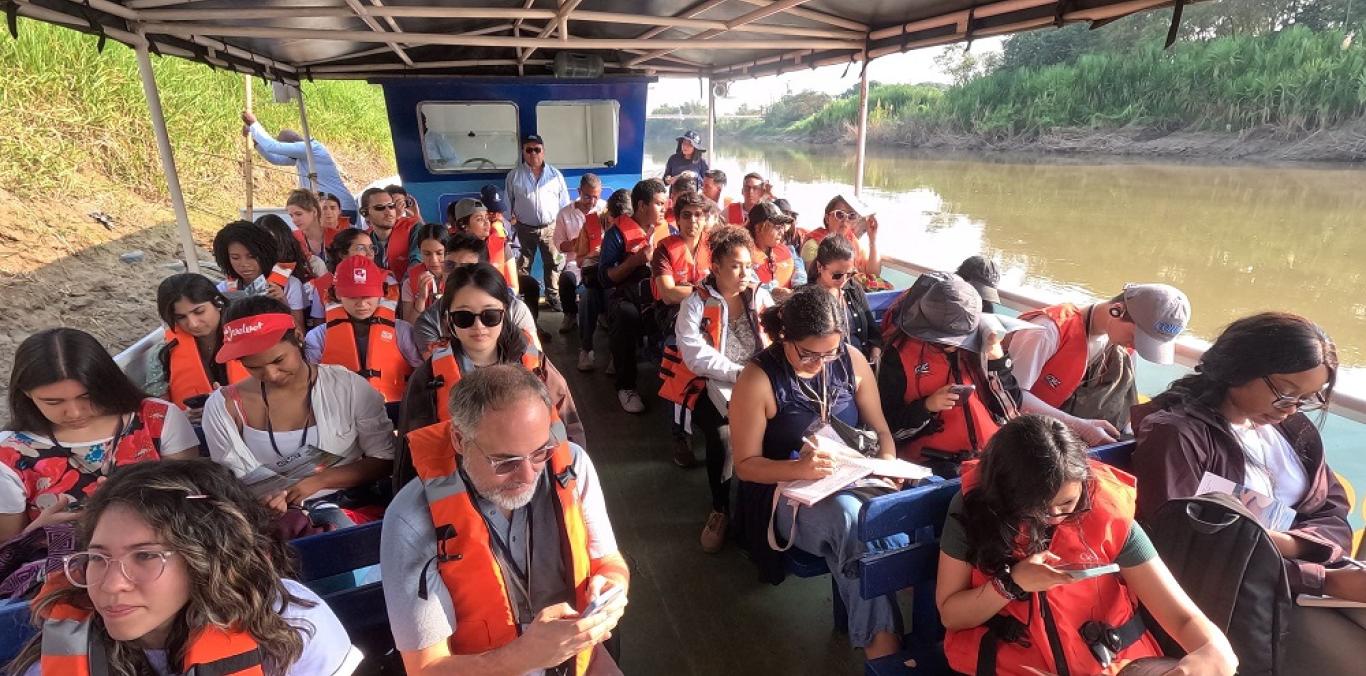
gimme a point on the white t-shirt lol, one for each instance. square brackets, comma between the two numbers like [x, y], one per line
[177, 435]
[296, 296]
[1030, 350]
[350, 416]
[327, 647]
[568, 223]
[1269, 454]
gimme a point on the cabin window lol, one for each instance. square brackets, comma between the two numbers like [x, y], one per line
[468, 136]
[579, 134]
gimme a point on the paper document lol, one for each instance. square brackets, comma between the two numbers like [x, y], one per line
[852, 467]
[291, 469]
[1270, 512]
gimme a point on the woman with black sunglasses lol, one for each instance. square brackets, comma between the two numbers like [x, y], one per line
[841, 218]
[478, 333]
[1020, 561]
[833, 270]
[1241, 416]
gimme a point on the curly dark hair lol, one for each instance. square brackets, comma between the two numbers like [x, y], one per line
[810, 311]
[726, 239]
[259, 242]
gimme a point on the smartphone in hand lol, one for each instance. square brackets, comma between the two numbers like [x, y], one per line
[963, 390]
[1086, 571]
[601, 601]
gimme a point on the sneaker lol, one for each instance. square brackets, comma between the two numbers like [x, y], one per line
[714, 533]
[630, 401]
[569, 323]
[611, 369]
[586, 360]
[683, 455]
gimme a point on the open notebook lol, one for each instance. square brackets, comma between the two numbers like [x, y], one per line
[852, 468]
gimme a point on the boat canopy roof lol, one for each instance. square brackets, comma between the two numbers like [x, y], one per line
[293, 40]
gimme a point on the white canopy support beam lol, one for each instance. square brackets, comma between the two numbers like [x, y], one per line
[488, 30]
[559, 22]
[364, 14]
[149, 88]
[860, 157]
[750, 17]
[308, 141]
[813, 15]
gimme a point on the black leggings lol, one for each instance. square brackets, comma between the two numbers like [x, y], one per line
[706, 418]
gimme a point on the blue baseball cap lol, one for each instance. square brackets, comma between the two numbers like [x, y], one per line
[493, 199]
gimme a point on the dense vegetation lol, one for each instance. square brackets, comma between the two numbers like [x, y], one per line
[1238, 65]
[70, 109]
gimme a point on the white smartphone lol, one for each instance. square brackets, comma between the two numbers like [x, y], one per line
[1086, 571]
[601, 600]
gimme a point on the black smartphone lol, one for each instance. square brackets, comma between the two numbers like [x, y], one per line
[197, 401]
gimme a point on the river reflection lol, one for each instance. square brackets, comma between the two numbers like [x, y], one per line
[1236, 239]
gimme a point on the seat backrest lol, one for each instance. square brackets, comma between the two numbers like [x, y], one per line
[1119, 455]
[919, 512]
[340, 551]
[15, 629]
[879, 301]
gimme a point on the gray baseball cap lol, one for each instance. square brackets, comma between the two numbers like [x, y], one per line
[981, 273]
[467, 207]
[1160, 313]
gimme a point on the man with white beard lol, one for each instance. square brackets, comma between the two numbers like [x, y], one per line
[499, 557]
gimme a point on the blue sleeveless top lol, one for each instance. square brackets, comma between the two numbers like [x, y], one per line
[798, 413]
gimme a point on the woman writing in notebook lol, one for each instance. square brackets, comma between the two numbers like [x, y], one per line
[807, 379]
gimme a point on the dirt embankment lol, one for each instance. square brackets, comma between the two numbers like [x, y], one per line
[1263, 144]
[59, 266]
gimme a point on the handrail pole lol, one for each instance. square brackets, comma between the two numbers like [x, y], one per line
[149, 89]
[861, 157]
[246, 158]
[711, 122]
[308, 141]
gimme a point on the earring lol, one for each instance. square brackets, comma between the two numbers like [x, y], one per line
[1116, 312]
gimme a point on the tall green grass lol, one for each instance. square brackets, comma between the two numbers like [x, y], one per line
[1295, 80]
[69, 109]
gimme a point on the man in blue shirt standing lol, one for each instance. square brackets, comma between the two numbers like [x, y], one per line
[289, 149]
[536, 193]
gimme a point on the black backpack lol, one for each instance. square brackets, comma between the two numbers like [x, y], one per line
[1224, 560]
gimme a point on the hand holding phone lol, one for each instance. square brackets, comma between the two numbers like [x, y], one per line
[1086, 571]
[602, 600]
[962, 390]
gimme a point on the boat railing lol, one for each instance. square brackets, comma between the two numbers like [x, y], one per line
[1346, 403]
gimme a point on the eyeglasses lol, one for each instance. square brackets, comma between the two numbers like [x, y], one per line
[360, 250]
[839, 276]
[1287, 402]
[806, 356]
[505, 466]
[383, 207]
[842, 215]
[463, 319]
[534, 150]
[139, 566]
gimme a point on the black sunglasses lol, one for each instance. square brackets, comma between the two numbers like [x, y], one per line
[534, 150]
[463, 319]
[383, 207]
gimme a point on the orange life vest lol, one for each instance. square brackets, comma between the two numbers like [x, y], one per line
[1062, 374]
[497, 243]
[735, 214]
[775, 266]
[470, 570]
[592, 235]
[678, 383]
[686, 269]
[384, 367]
[446, 371]
[187, 377]
[66, 642]
[969, 424]
[396, 253]
[279, 276]
[433, 288]
[329, 234]
[1099, 533]
[631, 232]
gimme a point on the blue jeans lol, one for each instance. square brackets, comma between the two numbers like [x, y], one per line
[591, 303]
[829, 529]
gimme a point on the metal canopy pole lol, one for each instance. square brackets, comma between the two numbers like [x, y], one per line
[711, 120]
[308, 141]
[149, 89]
[862, 126]
[246, 159]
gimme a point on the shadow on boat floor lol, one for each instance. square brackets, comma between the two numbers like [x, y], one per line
[690, 613]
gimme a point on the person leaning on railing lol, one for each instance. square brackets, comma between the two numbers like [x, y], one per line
[1241, 416]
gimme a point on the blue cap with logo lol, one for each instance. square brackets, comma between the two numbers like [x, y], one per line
[1160, 313]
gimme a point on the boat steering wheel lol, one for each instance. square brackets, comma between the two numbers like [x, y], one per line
[481, 160]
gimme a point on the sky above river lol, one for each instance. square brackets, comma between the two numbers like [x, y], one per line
[907, 68]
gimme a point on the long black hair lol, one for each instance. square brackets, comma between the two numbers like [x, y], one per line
[54, 355]
[511, 343]
[1252, 348]
[290, 251]
[259, 242]
[194, 288]
[336, 251]
[1024, 466]
[810, 311]
[831, 250]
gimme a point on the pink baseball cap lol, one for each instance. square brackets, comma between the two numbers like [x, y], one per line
[358, 277]
[250, 335]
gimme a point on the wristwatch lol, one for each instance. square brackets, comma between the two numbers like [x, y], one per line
[1005, 586]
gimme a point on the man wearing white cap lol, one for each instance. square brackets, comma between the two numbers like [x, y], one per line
[1079, 368]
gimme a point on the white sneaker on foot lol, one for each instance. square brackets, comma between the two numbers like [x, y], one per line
[586, 360]
[630, 401]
